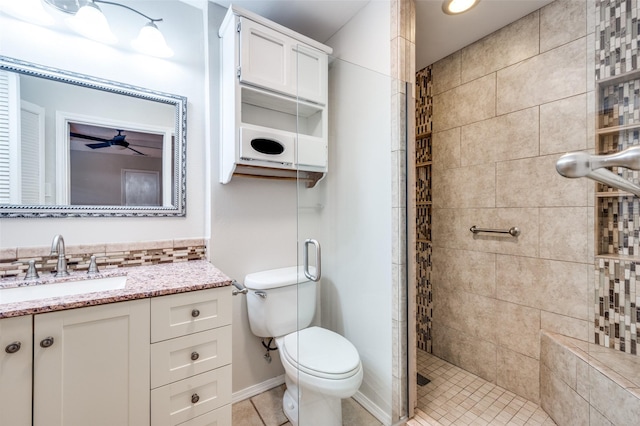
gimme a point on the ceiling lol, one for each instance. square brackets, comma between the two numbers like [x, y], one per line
[437, 34]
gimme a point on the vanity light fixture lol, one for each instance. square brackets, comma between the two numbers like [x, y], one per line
[89, 21]
[456, 7]
[27, 10]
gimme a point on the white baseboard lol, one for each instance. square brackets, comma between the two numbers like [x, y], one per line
[254, 390]
[372, 408]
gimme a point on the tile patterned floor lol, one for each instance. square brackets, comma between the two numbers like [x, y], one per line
[265, 409]
[456, 397]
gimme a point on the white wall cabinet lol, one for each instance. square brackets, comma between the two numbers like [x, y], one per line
[158, 361]
[274, 87]
[16, 361]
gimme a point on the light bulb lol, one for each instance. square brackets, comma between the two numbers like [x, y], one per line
[150, 41]
[454, 7]
[90, 22]
[27, 10]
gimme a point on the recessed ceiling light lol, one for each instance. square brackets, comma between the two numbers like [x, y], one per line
[455, 7]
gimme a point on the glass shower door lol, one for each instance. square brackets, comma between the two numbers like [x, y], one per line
[350, 233]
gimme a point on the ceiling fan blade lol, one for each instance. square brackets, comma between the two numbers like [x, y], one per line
[91, 138]
[136, 151]
[98, 145]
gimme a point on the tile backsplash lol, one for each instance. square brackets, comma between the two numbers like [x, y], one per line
[13, 260]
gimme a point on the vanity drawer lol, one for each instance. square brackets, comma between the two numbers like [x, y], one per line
[185, 313]
[218, 417]
[186, 399]
[172, 360]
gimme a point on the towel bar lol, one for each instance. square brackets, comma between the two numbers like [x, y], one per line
[513, 231]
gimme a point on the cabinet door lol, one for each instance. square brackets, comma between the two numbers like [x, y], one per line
[264, 57]
[309, 68]
[16, 351]
[91, 366]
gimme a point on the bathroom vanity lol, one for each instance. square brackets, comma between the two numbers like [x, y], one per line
[157, 351]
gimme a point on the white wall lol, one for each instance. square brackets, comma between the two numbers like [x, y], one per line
[183, 75]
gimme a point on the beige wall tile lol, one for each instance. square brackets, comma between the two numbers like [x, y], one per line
[446, 149]
[469, 271]
[445, 73]
[97, 249]
[517, 328]
[188, 242]
[534, 182]
[565, 325]
[559, 359]
[536, 283]
[583, 380]
[507, 46]
[475, 355]
[518, 373]
[553, 75]
[34, 251]
[464, 187]
[563, 125]
[564, 234]
[561, 402]
[451, 230]
[562, 21]
[616, 403]
[501, 138]
[596, 418]
[468, 103]
[468, 313]
[8, 253]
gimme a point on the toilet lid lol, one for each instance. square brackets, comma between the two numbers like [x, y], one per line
[321, 353]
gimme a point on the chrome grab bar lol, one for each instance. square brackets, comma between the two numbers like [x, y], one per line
[306, 260]
[580, 164]
[513, 231]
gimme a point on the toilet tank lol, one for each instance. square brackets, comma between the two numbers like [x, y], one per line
[280, 301]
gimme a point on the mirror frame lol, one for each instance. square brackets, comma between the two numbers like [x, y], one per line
[179, 184]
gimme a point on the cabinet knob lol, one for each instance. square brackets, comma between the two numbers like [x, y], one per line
[195, 398]
[46, 342]
[195, 313]
[12, 348]
[194, 356]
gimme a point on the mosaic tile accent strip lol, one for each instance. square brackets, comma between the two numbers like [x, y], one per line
[109, 259]
[618, 218]
[617, 298]
[424, 305]
[616, 37]
[424, 102]
[424, 302]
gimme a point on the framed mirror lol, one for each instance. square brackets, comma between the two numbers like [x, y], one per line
[76, 145]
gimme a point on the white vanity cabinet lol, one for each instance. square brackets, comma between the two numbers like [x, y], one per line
[16, 361]
[274, 100]
[156, 361]
[191, 358]
[91, 366]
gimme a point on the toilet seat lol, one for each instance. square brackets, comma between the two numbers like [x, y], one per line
[321, 353]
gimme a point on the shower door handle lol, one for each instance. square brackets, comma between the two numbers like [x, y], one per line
[318, 260]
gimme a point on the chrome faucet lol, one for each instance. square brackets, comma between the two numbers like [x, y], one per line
[57, 247]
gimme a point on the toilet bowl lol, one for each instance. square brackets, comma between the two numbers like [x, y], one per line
[321, 366]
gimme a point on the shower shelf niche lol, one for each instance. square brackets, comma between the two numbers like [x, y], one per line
[617, 128]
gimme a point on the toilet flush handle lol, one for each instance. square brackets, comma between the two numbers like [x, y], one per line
[305, 256]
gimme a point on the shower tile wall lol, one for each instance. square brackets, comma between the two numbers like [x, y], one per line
[504, 109]
[616, 318]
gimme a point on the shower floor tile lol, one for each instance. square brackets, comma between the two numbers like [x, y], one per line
[456, 397]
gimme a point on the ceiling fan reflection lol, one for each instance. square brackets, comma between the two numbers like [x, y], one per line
[118, 141]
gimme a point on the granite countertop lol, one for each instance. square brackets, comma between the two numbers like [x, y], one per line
[142, 282]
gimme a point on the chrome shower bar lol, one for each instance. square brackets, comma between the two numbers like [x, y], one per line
[513, 231]
[580, 164]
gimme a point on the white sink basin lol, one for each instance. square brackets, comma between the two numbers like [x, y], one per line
[65, 288]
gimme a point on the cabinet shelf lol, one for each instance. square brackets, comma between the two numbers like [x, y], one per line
[613, 194]
[604, 131]
[423, 135]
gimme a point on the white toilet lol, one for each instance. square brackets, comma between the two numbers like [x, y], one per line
[321, 367]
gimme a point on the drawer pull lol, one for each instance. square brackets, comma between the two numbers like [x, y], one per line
[194, 356]
[46, 342]
[12, 348]
[195, 313]
[195, 398]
